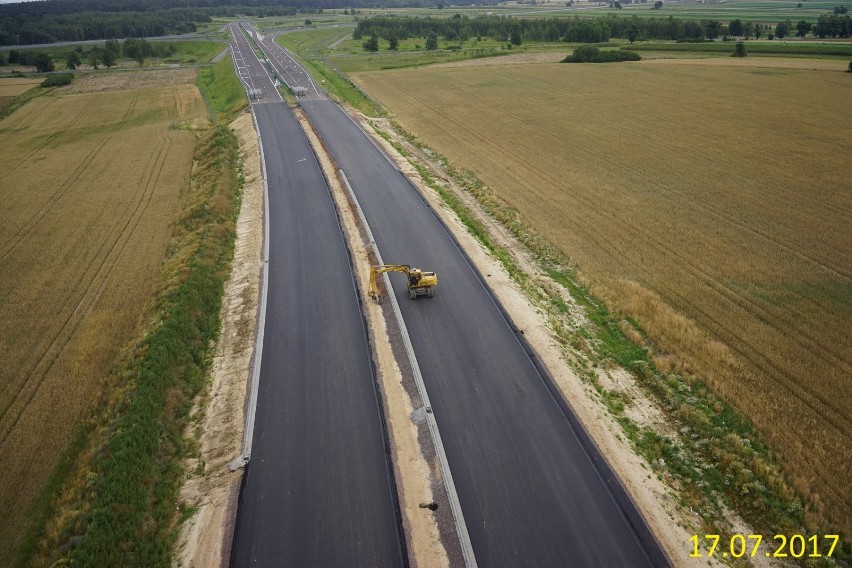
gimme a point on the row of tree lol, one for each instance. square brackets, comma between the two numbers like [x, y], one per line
[108, 55]
[48, 21]
[589, 30]
[84, 26]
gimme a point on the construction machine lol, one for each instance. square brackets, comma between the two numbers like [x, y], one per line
[420, 283]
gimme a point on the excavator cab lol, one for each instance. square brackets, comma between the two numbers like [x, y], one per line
[420, 283]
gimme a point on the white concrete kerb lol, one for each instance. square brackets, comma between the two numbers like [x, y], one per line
[455, 506]
[248, 435]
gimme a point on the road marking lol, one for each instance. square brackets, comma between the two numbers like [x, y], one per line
[447, 476]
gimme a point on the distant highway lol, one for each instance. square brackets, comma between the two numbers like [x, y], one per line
[319, 489]
[533, 488]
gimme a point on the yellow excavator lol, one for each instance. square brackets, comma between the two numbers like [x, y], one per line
[420, 283]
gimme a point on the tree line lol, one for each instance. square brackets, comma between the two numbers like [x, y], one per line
[136, 49]
[49, 21]
[589, 30]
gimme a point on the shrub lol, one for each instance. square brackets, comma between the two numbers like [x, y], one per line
[58, 80]
[739, 50]
[591, 54]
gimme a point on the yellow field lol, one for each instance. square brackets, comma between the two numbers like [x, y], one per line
[711, 202]
[89, 185]
[14, 86]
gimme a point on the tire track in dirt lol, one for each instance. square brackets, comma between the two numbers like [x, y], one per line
[59, 131]
[746, 304]
[110, 237]
[629, 134]
[54, 199]
[90, 295]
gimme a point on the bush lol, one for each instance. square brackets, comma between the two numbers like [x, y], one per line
[58, 80]
[739, 50]
[591, 54]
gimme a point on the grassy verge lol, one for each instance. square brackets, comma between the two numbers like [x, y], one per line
[132, 520]
[194, 51]
[754, 47]
[222, 90]
[712, 458]
[127, 509]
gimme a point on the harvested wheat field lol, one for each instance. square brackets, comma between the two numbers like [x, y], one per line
[711, 203]
[90, 185]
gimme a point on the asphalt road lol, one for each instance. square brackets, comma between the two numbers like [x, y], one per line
[318, 490]
[531, 492]
[252, 72]
[533, 489]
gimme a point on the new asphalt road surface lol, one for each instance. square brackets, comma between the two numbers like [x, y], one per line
[532, 493]
[533, 489]
[318, 490]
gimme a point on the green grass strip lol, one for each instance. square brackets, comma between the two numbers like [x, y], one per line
[132, 520]
[222, 90]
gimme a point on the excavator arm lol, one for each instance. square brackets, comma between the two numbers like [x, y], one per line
[377, 269]
[419, 282]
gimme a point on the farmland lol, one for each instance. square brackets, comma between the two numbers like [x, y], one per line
[705, 201]
[12, 87]
[90, 187]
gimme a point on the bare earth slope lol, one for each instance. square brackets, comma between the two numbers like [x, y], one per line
[711, 192]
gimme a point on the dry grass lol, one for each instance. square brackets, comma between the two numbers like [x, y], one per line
[711, 203]
[90, 186]
[107, 81]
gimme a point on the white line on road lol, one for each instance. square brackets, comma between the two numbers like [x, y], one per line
[455, 506]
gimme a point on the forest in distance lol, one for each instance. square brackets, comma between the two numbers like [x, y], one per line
[50, 21]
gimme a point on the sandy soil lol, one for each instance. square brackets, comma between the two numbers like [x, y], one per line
[653, 498]
[411, 466]
[205, 539]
